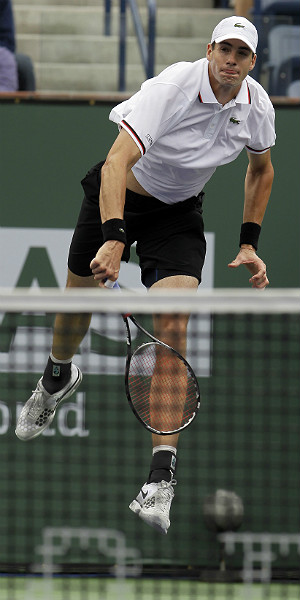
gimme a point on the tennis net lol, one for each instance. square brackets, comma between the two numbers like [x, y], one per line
[66, 530]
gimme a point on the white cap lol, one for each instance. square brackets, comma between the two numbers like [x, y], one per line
[236, 28]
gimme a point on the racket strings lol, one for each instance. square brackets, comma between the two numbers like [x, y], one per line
[161, 387]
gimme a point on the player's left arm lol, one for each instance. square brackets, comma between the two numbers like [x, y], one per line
[258, 185]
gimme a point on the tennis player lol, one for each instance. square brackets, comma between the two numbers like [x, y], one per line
[173, 134]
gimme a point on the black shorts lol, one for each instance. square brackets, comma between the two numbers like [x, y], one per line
[169, 238]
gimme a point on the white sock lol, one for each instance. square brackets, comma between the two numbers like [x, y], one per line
[58, 361]
[163, 447]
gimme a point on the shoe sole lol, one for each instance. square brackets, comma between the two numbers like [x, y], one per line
[48, 423]
[156, 524]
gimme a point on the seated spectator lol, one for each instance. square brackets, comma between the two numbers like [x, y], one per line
[8, 64]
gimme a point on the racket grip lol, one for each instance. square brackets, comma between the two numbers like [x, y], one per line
[112, 284]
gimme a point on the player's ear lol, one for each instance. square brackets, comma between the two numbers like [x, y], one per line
[253, 61]
[209, 51]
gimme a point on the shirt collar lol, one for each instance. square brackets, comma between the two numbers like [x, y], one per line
[206, 94]
[244, 96]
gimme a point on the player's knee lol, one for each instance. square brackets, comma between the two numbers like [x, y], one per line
[172, 331]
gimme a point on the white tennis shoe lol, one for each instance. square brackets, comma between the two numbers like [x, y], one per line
[153, 504]
[39, 410]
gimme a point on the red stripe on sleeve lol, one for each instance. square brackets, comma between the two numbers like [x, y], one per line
[135, 135]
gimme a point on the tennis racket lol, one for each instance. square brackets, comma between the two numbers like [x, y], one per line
[161, 386]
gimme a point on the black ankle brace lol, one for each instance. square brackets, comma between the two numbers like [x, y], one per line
[163, 466]
[56, 376]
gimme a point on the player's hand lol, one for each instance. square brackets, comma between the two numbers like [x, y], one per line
[106, 264]
[249, 258]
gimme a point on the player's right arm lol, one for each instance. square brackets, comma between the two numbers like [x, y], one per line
[123, 154]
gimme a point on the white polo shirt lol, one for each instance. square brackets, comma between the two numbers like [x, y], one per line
[184, 133]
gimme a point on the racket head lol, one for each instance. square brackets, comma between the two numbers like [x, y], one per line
[161, 388]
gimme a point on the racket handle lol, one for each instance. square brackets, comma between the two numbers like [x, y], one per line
[112, 284]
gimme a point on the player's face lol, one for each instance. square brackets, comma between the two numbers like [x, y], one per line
[229, 62]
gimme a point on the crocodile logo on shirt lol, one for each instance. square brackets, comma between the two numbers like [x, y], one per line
[239, 25]
[234, 120]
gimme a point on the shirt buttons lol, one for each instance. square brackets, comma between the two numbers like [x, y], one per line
[210, 130]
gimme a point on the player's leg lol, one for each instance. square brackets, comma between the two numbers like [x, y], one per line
[68, 333]
[61, 377]
[70, 329]
[153, 503]
[172, 329]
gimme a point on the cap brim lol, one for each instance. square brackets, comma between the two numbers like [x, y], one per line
[222, 38]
